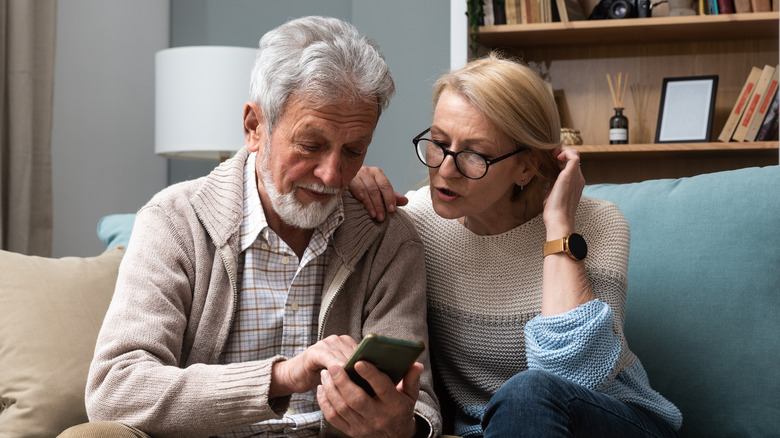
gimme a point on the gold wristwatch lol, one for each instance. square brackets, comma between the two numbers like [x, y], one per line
[573, 245]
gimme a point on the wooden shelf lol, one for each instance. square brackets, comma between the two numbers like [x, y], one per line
[574, 57]
[633, 30]
[665, 148]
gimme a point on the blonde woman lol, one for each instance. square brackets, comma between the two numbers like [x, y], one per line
[526, 277]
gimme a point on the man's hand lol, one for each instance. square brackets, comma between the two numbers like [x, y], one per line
[372, 186]
[389, 414]
[302, 372]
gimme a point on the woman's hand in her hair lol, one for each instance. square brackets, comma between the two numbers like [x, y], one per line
[373, 188]
[561, 204]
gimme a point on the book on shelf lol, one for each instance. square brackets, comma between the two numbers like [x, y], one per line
[526, 14]
[488, 18]
[535, 11]
[752, 104]
[739, 105]
[763, 106]
[768, 130]
[499, 12]
[725, 6]
[742, 6]
[512, 16]
[549, 14]
[761, 5]
[712, 7]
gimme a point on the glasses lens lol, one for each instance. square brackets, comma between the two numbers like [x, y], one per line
[430, 153]
[472, 164]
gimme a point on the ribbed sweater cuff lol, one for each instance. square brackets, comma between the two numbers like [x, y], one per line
[244, 388]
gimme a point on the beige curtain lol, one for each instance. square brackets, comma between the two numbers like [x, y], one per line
[27, 33]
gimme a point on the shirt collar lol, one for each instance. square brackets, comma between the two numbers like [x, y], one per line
[254, 222]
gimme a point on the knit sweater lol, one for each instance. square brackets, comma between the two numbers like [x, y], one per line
[156, 363]
[484, 305]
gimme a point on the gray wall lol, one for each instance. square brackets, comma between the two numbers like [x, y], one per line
[103, 122]
[103, 159]
[414, 36]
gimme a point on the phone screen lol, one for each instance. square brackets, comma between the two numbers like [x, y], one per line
[392, 356]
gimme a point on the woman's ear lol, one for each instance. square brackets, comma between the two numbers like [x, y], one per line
[526, 169]
[254, 126]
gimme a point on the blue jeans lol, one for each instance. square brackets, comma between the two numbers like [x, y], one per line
[540, 404]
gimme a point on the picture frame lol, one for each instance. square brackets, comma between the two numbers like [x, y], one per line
[686, 109]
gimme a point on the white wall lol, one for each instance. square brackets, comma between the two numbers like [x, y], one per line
[103, 122]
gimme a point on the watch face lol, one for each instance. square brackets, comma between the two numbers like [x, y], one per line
[577, 246]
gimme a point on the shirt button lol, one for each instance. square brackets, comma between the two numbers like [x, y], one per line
[285, 260]
[294, 307]
[291, 411]
[264, 246]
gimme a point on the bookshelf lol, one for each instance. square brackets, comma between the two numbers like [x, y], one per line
[576, 56]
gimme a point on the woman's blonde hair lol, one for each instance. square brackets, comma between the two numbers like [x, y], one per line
[520, 103]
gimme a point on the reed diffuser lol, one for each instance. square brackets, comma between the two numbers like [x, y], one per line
[618, 123]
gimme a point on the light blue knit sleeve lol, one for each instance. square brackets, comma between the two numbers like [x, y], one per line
[578, 345]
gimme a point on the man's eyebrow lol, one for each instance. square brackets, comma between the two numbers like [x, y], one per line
[313, 131]
[310, 130]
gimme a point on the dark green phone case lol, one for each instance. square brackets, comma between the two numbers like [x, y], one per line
[392, 356]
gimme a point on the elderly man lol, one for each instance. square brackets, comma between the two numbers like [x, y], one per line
[243, 293]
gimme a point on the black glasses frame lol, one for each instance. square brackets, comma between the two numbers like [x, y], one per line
[454, 155]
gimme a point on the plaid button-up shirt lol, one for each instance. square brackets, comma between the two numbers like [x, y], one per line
[278, 305]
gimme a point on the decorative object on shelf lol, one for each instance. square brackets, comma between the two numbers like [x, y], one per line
[681, 7]
[618, 127]
[616, 9]
[200, 92]
[570, 137]
[618, 123]
[641, 132]
[686, 108]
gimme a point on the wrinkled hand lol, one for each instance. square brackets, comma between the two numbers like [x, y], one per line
[560, 207]
[372, 186]
[389, 414]
[302, 372]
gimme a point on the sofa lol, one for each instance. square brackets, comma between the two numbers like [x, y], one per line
[703, 307]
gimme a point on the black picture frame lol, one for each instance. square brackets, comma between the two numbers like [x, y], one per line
[686, 108]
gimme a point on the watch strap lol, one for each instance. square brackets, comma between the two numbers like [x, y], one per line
[554, 246]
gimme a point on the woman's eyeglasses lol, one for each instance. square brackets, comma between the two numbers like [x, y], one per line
[470, 164]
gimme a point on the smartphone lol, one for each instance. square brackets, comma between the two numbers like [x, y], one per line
[392, 356]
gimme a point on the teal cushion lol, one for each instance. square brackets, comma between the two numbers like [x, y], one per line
[114, 230]
[703, 309]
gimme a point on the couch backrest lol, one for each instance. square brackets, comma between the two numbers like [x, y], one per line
[703, 306]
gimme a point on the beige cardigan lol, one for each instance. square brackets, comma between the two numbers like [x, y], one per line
[156, 364]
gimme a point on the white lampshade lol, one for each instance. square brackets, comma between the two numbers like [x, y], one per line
[200, 94]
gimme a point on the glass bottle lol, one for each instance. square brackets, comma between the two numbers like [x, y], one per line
[618, 128]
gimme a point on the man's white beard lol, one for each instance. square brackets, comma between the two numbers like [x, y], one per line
[291, 211]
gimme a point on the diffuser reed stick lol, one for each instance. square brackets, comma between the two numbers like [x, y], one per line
[617, 98]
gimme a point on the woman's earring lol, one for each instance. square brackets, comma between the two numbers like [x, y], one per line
[523, 182]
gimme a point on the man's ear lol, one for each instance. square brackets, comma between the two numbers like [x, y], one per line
[254, 126]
